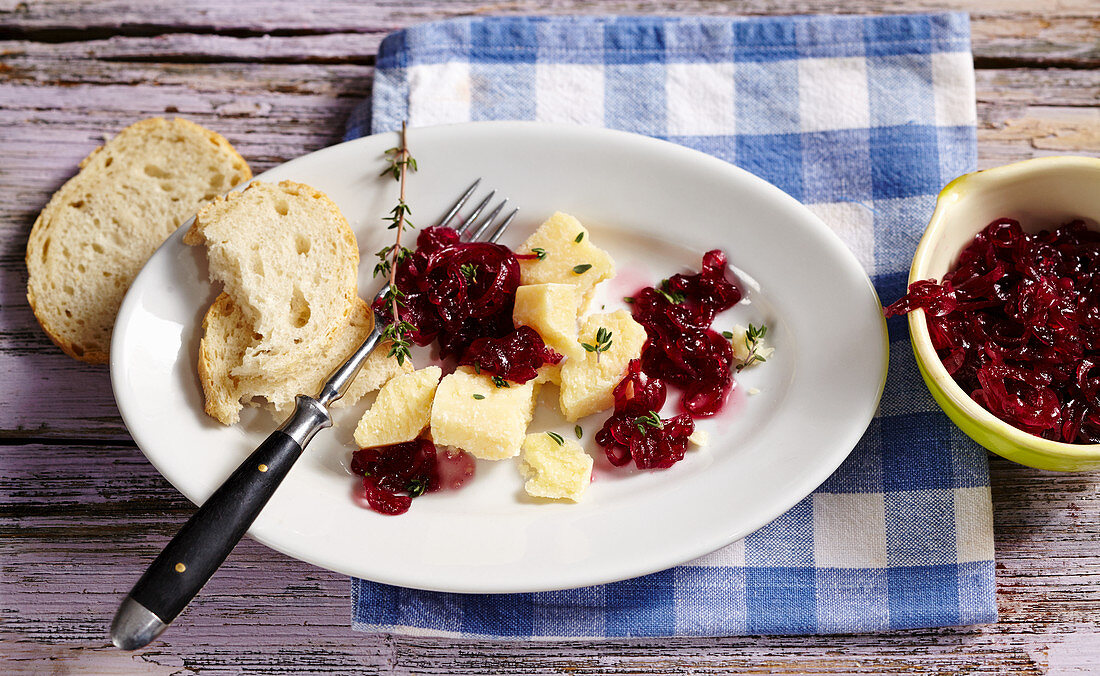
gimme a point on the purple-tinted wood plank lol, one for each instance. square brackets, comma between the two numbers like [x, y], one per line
[1005, 32]
[287, 15]
[1009, 41]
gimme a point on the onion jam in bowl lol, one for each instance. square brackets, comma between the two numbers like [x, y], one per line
[1040, 194]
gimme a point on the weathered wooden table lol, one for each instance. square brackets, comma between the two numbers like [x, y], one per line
[82, 510]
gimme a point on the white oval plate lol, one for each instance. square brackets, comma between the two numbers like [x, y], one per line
[656, 207]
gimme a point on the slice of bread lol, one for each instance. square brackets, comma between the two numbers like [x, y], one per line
[227, 335]
[99, 229]
[287, 257]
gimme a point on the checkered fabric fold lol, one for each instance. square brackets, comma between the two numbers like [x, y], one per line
[863, 119]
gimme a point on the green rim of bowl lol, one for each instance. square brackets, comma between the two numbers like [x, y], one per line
[975, 421]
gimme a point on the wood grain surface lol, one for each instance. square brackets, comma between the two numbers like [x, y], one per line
[81, 510]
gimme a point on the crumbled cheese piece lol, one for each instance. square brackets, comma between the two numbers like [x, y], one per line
[587, 383]
[490, 425]
[401, 411]
[554, 470]
[754, 390]
[699, 438]
[565, 258]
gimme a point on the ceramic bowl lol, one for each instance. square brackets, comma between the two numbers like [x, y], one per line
[1042, 193]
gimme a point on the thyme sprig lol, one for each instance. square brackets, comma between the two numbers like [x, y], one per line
[398, 334]
[602, 344]
[754, 337]
[398, 331]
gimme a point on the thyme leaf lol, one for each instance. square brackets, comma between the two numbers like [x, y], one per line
[602, 344]
[648, 421]
[416, 487]
[674, 297]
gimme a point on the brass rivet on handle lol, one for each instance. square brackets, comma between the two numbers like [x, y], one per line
[180, 567]
[262, 467]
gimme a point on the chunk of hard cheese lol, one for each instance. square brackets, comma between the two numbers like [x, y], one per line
[565, 258]
[554, 470]
[401, 411]
[551, 310]
[486, 421]
[587, 383]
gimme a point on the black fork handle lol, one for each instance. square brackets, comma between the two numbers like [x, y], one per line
[202, 545]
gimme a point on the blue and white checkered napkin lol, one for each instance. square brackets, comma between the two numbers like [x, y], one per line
[863, 119]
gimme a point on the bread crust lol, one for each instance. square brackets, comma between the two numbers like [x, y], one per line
[63, 289]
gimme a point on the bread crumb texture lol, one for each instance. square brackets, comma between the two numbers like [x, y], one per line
[287, 257]
[96, 232]
[290, 312]
[226, 336]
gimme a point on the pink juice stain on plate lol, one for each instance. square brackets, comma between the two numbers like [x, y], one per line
[628, 280]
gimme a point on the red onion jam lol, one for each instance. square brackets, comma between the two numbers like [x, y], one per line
[1017, 325]
[462, 295]
[634, 430]
[456, 292]
[680, 346]
[394, 475]
[516, 356]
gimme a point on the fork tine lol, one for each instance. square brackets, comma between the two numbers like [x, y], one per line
[503, 226]
[486, 222]
[458, 205]
[477, 212]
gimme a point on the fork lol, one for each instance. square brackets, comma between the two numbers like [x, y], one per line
[199, 548]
